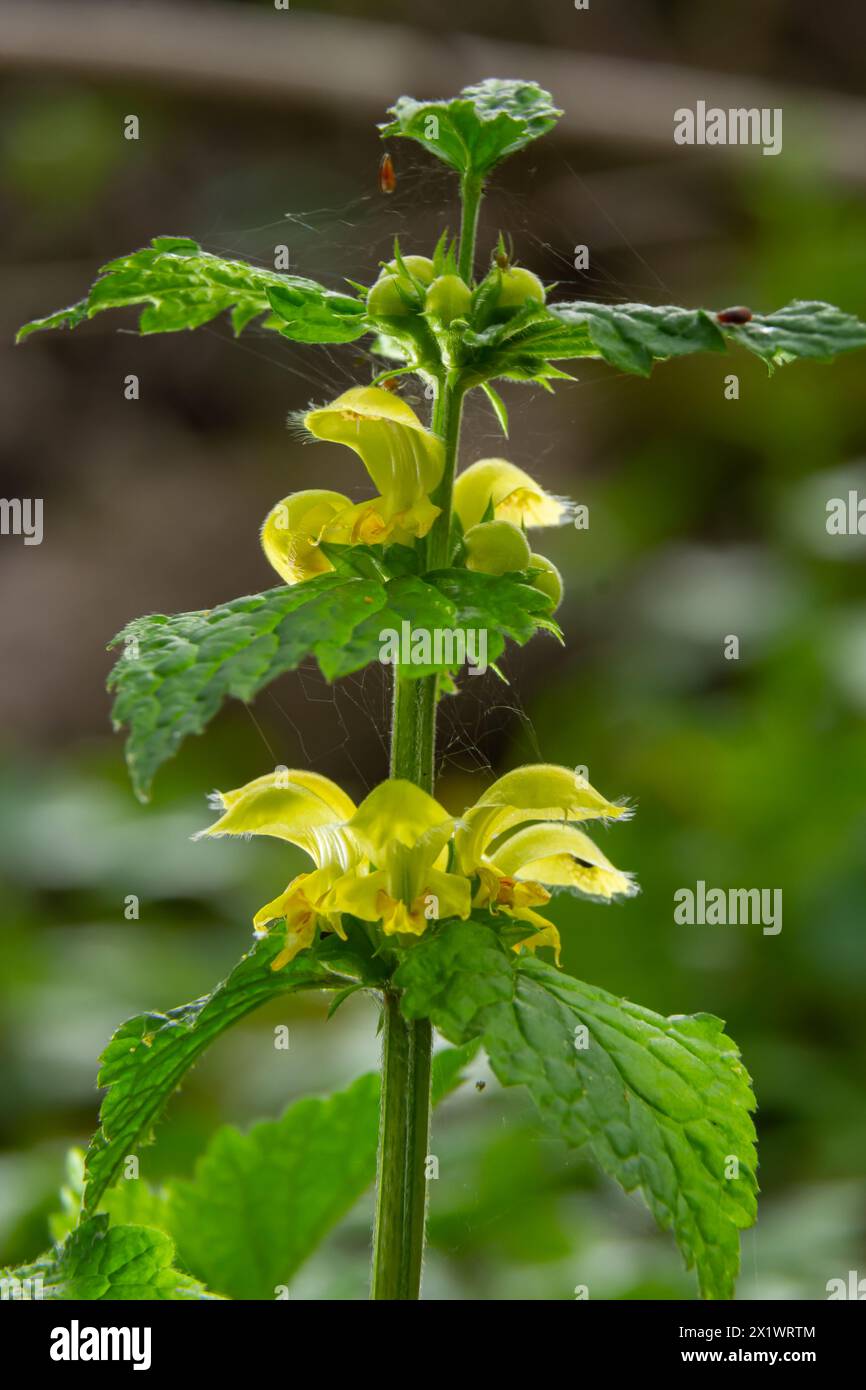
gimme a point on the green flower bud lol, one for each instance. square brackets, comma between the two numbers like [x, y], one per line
[496, 547]
[390, 297]
[549, 581]
[448, 298]
[519, 286]
[419, 266]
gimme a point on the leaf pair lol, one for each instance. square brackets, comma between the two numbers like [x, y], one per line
[473, 132]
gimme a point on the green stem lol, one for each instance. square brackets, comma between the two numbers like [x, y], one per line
[472, 191]
[404, 1114]
[413, 729]
[447, 418]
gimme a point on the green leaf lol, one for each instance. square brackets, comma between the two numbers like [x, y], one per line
[502, 606]
[148, 1056]
[806, 328]
[662, 1104]
[130, 1203]
[261, 1202]
[473, 132]
[499, 408]
[176, 671]
[98, 1262]
[634, 336]
[182, 286]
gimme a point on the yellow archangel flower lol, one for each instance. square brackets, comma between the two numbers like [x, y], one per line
[404, 835]
[513, 494]
[388, 861]
[403, 458]
[311, 812]
[520, 839]
[383, 861]
[293, 529]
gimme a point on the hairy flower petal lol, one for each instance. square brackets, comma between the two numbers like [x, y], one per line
[404, 460]
[293, 529]
[513, 494]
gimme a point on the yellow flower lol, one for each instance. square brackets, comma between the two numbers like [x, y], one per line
[401, 861]
[404, 460]
[311, 812]
[404, 834]
[514, 495]
[293, 529]
[519, 840]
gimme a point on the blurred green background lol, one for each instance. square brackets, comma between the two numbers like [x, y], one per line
[706, 519]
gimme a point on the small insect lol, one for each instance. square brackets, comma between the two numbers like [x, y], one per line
[503, 256]
[387, 177]
[739, 314]
[389, 383]
[480, 1085]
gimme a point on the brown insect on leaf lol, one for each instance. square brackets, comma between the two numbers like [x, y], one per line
[387, 176]
[739, 314]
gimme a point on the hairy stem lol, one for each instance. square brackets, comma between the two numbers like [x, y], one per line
[471, 192]
[413, 729]
[404, 1115]
[447, 418]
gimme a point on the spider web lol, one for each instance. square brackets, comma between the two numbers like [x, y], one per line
[486, 721]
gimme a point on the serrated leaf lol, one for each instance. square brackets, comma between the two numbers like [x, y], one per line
[261, 1202]
[803, 329]
[497, 604]
[149, 1055]
[474, 131]
[662, 1104]
[632, 337]
[176, 671]
[97, 1262]
[181, 286]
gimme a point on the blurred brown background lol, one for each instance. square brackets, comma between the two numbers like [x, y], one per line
[707, 518]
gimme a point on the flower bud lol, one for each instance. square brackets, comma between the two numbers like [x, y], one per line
[448, 298]
[496, 547]
[549, 581]
[519, 286]
[513, 494]
[391, 297]
[419, 266]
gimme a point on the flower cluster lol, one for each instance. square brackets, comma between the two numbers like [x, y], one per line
[399, 861]
[494, 500]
